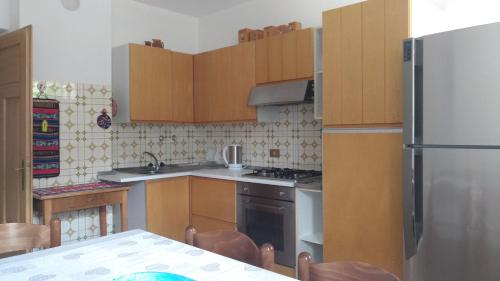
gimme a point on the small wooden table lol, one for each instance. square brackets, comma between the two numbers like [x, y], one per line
[51, 202]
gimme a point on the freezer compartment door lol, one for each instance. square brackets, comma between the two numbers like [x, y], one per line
[460, 87]
[460, 224]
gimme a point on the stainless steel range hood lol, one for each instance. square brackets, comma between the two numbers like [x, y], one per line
[293, 92]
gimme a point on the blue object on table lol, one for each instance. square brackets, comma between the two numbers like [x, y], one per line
[153, 276]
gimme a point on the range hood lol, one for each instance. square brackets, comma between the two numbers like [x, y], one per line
[292, 92]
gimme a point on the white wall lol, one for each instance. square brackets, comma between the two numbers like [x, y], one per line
[134, 22]
[9, 15]
[75, 46]
[221, 29]
[432, 16]
[69, 46]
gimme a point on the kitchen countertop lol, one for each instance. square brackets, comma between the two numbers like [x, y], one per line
[215, 173]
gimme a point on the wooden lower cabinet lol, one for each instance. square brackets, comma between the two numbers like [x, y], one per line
[167, 204]
[363, 198]
[204, 224]
[213, 204]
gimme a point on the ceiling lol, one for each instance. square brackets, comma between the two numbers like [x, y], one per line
[196, 8]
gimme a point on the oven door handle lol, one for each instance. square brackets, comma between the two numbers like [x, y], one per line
[264, 206]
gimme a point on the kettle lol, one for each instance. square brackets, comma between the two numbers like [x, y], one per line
[232, 155]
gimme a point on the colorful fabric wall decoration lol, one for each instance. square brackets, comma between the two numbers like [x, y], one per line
[46, 155]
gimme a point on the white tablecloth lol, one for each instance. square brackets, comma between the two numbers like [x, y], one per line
[120, 254]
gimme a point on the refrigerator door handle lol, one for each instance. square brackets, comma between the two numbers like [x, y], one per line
[409, 90]
[410, 241]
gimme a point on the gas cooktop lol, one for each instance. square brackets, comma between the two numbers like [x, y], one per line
[284, 174]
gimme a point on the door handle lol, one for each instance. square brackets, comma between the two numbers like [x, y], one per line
[269, 207]
[408, 203]
[23, 174]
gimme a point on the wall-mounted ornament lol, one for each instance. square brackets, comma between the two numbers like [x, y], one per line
[103, 120]
[42, 87]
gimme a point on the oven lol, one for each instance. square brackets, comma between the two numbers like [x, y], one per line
[266, 213]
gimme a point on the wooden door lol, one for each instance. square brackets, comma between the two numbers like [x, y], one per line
[15, 127]
[241, 82]
[363, 198]
[182, 87]
[150, 84]
[167, 204]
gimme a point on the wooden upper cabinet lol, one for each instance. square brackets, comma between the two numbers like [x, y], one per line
[202, 86]
[223, 81]
[275, 58]
[152, 84]
[289, 55]
[242, 73]
[363, 199]
[261, 69]
[362, 63]
[285, 57]
[182, 87]
[305, 53]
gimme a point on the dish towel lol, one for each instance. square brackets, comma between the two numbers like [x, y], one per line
[46, 159]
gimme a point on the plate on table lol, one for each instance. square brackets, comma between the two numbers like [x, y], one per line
[152, 276]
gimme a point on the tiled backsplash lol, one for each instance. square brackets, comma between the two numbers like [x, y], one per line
[296, 134]
[87, 149]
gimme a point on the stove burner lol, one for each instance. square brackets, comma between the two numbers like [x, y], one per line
[290, 174]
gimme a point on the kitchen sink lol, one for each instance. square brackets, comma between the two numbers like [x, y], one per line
[173, 168]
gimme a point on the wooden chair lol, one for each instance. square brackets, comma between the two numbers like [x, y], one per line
[340, 271]
[24, 237]
[232, 244]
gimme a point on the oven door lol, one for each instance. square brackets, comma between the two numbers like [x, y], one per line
[269, 221]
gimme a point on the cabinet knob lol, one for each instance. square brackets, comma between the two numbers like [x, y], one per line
[245, 189]
[282, 193]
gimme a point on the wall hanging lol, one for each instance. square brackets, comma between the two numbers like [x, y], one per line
[103, 120]
[46, 154]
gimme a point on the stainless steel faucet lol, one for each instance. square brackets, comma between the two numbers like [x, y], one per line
[156, 166]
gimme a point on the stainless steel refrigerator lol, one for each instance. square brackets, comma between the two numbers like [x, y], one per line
[452, 156]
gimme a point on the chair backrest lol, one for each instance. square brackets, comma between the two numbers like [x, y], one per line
[232, 244]
[16, 237]
[345, 271]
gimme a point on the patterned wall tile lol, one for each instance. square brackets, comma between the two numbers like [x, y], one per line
[87, 149]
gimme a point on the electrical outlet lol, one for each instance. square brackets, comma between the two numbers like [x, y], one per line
[274, 153]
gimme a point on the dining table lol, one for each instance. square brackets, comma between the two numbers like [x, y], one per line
[125, 253]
